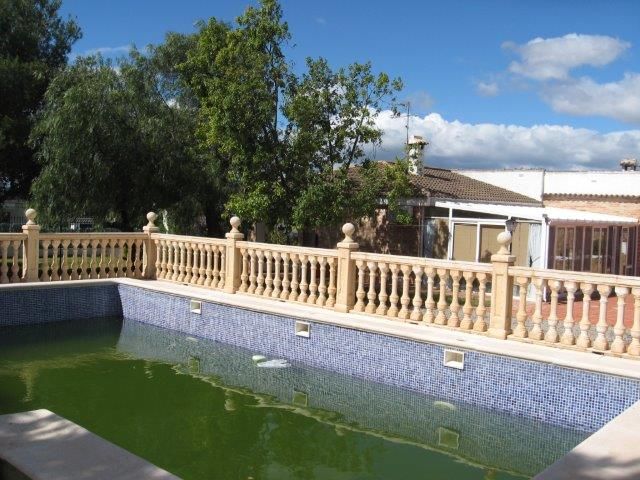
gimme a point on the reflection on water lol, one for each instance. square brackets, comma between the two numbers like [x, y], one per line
[206, 410]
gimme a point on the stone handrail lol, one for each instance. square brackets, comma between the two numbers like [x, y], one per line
[576, 310]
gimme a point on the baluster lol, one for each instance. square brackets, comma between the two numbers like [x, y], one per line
[480, 324]
[322, 287]
[601, 342]
[93, 263]
[174, 254]
[15, 248]
[521, 317]
[84, 245]
[182, 255]
[121, 259]
[42, 257]
[313, 284]
[210, 279]
[583, 339]
[454, 308]
[567, 336]
[74, 259]
[4, 268]
[371, 295]
[52, 269]
[202, 267]
[269, 279]
[552, 333]
[634, 346]
[64, 267]
[383, 296]
[277, 279]
[430, 303]
[186, 273]
[331, 301]
[404, 298]
[48, 266]
[216, 267]
[467, 309]
[260, 278]
[293, 296]
[55, 267]
[303, 279]
[252, 271]
[618, 346]
[360, 292]
[195, 267]
[416, 314]
[441, 317]
[393, 298]
[286, 283]
[536, 329]
[223, 266]
[163, 264]
[126, 250]
[116, 254]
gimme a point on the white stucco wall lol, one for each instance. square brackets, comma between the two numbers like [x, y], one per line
[526, 182]
[592, 183]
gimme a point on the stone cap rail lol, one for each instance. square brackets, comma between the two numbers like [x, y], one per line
[324, 252]
[571, 276]
[428, 262]
[188, 239]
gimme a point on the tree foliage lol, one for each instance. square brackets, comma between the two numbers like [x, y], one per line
[34, 44]
[113, 142]
[214, 124]
[287, 143]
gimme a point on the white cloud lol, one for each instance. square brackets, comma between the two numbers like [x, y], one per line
[487, 89]
[553, 58]
[420, 101]
[321, 21]
[108, 51]
[454, 144]
[619, 100]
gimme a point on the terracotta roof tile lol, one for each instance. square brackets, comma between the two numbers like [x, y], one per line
[442, 183]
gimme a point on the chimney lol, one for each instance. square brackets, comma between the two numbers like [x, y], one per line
[629, 164]
[415, 154]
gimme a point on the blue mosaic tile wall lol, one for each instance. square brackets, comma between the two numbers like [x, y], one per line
[346, 401]
[53, 304]
[562, 396]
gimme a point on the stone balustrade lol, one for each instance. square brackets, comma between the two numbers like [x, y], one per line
[191, 260]
[566, 305]
[423, 290]
[295, 274]
[575, 310]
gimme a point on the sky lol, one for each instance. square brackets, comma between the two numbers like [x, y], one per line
[491, 84]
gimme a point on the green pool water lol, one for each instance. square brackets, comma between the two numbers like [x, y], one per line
[203, 410]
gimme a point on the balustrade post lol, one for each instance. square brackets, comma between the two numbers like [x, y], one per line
[150, 252]
[233, 257]
[502, 289]
[31, 247]
[345, 295]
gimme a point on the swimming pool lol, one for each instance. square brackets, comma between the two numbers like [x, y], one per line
[180, 389]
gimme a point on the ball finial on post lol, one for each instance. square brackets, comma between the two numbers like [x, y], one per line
[152, 217]
[504, 239]
[31, 215]
[235, 223]
[348, 229]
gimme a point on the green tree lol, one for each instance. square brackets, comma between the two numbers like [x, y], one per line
[116, 142]
[287, 145]
[34, 44]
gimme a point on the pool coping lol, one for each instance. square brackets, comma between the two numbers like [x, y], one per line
[423, 333]
[611, 452]
[46, 446]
